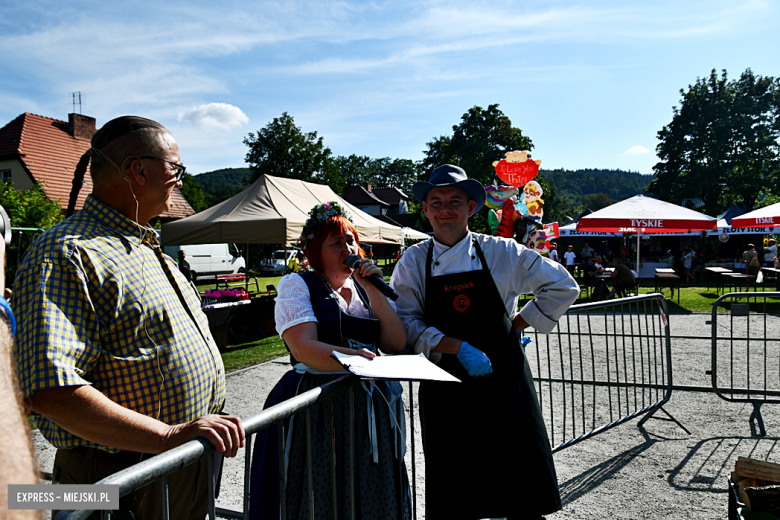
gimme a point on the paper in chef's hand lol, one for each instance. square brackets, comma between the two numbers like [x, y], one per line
[398, 368]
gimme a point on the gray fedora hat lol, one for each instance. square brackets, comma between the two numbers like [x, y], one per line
[451, 176]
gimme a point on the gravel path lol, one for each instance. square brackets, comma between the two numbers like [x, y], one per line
[628, 472]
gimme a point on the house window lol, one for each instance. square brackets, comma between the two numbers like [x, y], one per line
[5, 175]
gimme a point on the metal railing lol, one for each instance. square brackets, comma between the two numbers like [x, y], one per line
[746, 350]
[604, 364]
[160, 466]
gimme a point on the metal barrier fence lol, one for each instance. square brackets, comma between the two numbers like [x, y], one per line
[159, 467]
[604, 364]
[746, 350]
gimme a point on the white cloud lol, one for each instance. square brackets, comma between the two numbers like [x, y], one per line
[637, 150]
[219, 116]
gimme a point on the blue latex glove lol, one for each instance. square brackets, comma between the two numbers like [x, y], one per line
[524, 340]
[474, 361]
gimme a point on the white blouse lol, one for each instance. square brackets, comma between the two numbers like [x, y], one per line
[293, 303]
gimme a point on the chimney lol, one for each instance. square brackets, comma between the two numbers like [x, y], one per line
[80, 126]
[368, 187]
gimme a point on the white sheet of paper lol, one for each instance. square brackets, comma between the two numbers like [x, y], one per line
[401, 368]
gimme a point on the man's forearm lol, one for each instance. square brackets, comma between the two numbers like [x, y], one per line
[87, 413]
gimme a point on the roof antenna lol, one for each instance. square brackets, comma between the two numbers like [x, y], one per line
[74, 102]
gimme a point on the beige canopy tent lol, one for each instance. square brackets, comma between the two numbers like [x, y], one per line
[273, 211]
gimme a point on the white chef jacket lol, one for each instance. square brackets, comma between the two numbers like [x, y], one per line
[516, 270]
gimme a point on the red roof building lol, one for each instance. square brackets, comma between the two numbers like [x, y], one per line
[36, 149]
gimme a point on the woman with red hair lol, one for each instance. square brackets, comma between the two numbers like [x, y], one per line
[332, 308]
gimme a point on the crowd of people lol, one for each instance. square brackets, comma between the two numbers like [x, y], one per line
[116, 361]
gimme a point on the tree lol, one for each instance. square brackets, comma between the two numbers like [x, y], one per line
[360, 169]
[355, 170]
[29, 208]
[597, 201]
[281, 149]
[26, 209]
[193, 192]
[721, 145]
[482, 137]
[756, 120]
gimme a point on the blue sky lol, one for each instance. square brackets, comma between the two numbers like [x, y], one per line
[590, 83]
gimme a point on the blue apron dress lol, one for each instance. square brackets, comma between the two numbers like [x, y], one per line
[376, 458]
[487, 454]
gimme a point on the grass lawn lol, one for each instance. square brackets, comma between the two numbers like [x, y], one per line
[699, 298]
[236, 357]
[693, 299]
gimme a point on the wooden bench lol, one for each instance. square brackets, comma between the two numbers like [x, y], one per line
[236, 280]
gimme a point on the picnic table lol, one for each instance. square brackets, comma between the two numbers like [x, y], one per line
[739, 278]
[720, 277]
[671, 278]
[226, 281]
[776, 273]
[219, 316]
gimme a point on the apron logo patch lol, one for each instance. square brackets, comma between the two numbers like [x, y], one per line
[461, 302]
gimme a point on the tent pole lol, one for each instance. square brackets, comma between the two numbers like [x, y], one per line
[638, 236]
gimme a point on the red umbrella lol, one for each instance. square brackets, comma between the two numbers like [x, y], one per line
[762, 217]
[641, 214]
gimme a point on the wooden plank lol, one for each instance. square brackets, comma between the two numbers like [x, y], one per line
[759, 469]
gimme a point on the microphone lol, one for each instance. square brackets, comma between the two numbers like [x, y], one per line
[353, 261]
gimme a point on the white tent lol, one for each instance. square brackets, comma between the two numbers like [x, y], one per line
[273, 210]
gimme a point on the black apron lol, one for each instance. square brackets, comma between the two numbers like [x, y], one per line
[487, 453]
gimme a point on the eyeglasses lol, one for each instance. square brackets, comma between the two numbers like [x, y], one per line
[180, 168]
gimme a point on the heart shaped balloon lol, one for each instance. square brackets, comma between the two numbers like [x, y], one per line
[517, 169]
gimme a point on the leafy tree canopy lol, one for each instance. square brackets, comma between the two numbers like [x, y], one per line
[220, 185]
[722, 143]
[482, 137]
[359, 169]
[282, 149]
[29, 208]
[193, 192]
[26, 209]
[593, 188]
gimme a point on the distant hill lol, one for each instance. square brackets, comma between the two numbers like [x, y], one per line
[222, 184]
[577, 184]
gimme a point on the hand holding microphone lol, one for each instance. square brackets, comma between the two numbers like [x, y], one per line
[353, 262]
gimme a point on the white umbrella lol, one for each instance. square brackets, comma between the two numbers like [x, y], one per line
[760, 218]
[641, 214]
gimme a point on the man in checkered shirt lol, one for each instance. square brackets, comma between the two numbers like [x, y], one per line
[114, 354]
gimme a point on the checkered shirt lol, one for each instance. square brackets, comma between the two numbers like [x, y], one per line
[98, 304]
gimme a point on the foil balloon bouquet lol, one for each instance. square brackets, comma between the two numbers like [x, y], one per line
[516, 209]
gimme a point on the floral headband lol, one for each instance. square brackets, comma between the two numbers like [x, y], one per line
[318, 215]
